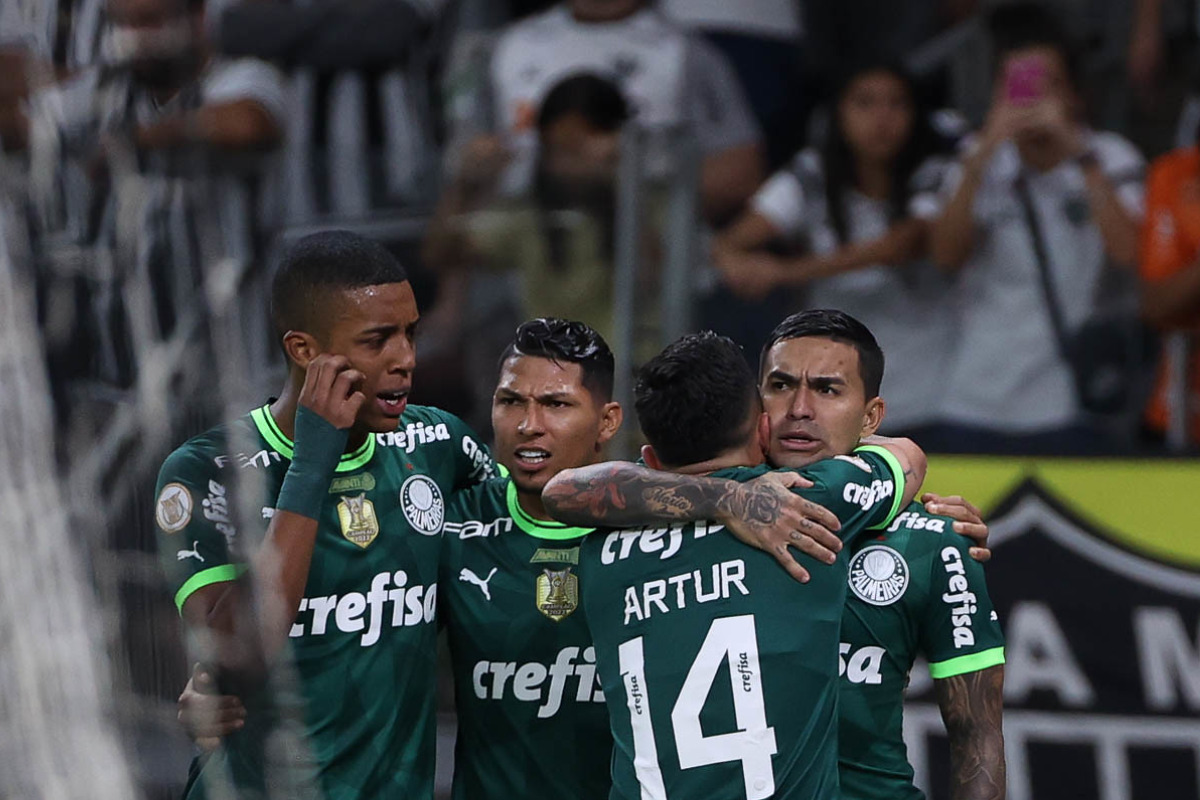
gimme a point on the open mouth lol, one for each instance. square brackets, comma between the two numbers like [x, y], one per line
[531, 458]
[392, 403]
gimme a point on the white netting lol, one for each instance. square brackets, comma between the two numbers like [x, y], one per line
[58, 737]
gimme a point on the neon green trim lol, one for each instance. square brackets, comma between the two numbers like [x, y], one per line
[207, 577]
[269, 431]
[897, 475]
[539, 528]
[965, 664]
[502, 470]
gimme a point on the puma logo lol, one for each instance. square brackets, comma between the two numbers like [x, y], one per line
[193, 553]
[470, 577]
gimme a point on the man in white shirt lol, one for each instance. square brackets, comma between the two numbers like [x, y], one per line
[669, 77]
[1010, 386]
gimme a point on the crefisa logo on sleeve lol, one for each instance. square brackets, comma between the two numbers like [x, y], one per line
[878, 575]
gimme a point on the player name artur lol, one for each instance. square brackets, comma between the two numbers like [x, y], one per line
[676, 592]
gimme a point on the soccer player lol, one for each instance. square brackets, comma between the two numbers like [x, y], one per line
[719, 670]
[332, 496]
[913, 588]
[531, 716]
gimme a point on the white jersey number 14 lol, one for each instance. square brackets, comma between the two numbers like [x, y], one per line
[729, 639]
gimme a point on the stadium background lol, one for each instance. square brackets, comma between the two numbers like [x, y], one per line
[131, 317]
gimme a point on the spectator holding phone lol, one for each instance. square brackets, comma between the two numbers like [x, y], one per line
[1033, 219]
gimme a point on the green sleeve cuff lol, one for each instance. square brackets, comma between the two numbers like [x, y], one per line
[207, 577]
[964, 664]
[897, 477]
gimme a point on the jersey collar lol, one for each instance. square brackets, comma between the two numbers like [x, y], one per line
[539, 528]
[269, 430]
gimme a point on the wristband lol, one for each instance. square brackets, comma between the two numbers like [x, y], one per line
[318, 448]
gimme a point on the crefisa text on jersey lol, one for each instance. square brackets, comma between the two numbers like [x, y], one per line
[492, 679]
[413, 434]
[958, 596]
[411, 605]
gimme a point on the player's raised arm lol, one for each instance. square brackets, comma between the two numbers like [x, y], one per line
[329, 403]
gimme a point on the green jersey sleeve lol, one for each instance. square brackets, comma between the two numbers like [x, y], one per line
[194, 524]
[474, 462]
[960, 632]
[863, 490]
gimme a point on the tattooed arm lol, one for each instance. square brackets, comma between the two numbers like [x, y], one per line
[971, 706]
[763, 513]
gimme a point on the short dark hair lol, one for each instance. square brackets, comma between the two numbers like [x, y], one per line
[825, 323]
[1024, 24]
[694, 398]
[597, 99]
[320, 262]
[562, 340]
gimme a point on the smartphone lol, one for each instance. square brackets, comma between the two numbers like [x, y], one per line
[1024, 80]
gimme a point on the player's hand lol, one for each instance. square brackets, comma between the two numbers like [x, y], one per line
[205, 715]
[765, 513]
[968, 520]
[331, 389]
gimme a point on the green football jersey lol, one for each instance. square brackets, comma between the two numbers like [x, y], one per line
[720, 670]
[913, 590]
[363, 644]
[531, 716]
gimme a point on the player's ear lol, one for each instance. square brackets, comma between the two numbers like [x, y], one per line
[764, 433]
[651, 458]
[301, 348]
[873, 416]
[610, 422]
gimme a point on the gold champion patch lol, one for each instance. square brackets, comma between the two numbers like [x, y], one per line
[173, 511]
[557, 593]
[357, 515]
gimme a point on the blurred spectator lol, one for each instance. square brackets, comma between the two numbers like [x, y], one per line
[155, 159]
[161, 91]
[670, 78]
[1040, 217]
[846, 202]
[762, 39]
[550, 253]
[1170, 268]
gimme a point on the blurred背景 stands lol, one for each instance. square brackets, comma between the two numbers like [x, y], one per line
[764, 42]
[361, 130]
[550, 251]
[671, 79]
[156, 160]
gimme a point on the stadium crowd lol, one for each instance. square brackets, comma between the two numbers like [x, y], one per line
[1007, 194]
[1022, 277]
